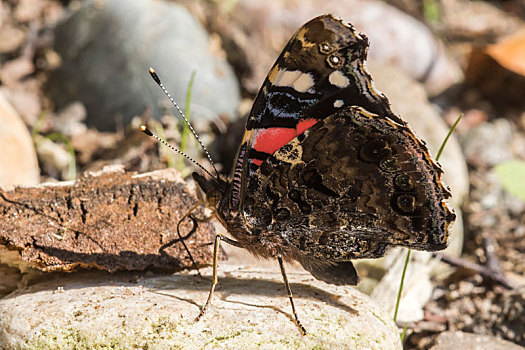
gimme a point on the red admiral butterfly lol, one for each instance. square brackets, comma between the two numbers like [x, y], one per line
[326, 172]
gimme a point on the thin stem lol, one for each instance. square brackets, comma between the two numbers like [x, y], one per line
[448, 136]
[401, 284]
[440, 151]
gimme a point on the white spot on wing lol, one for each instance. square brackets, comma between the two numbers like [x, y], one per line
[338, 103]
[285, 77]
[304, 83]
[337, 78]
[296, 79]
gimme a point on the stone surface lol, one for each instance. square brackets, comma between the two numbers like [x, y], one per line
[417, 288]
[108, 46]
[498, 134]
[470, 341]
[18, 163]
[249, 309]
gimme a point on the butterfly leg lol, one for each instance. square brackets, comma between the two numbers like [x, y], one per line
[182, 239]
[289, 291]
[215, 280]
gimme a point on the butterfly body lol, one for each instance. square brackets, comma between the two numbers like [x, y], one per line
[326, 172]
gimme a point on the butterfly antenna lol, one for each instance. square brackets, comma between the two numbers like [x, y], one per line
[148, 132]
[159, 83]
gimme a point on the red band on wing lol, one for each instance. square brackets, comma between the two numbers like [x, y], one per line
[303, 125]
[271, 139]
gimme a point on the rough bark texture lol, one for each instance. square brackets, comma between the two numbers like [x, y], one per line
[111, 221]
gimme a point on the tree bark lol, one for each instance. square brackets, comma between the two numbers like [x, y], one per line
[111, 221]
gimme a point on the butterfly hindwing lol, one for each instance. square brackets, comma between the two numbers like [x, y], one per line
[349, 187]
[338, 273]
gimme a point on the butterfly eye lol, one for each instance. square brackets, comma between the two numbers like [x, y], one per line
[324, 48]
[335, 61]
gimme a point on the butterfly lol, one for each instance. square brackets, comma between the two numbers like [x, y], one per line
[326, 172]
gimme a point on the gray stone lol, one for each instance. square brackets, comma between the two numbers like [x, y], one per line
[108, 46]
[498, 134]
[249, 310]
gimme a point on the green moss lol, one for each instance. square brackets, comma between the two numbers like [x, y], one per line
[228, 336]
[156, 335]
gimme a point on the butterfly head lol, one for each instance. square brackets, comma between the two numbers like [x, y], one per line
[211, 190]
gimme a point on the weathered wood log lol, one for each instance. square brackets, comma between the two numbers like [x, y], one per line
[110, 220]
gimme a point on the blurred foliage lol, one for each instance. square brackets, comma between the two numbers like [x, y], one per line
[431, 10]
[72, 167]
[185, 127]
[512, 177]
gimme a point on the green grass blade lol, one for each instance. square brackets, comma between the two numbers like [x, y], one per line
[187, 110]
[37, 126]
[400, 291]
[404, 332]
[72, 167]
[185, 128]
[452, 128]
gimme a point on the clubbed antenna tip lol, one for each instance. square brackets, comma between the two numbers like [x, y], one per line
[154, 75]
[145, 130]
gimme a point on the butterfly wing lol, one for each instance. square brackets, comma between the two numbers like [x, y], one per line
[347, 188]
[321, 69]
[326, 172]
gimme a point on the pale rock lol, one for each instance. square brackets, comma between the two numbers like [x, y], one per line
[249, 309]
[469, 341]
[53, 155]
[18, 162]
[18, 167]
[417, 288]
